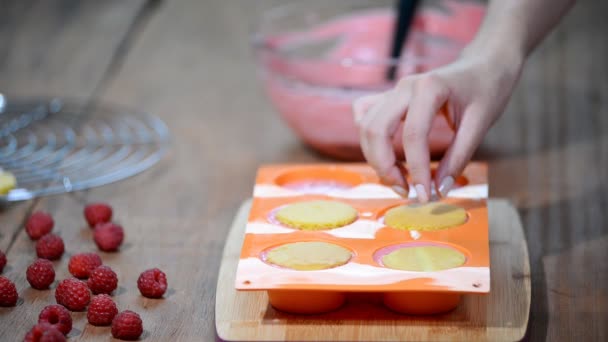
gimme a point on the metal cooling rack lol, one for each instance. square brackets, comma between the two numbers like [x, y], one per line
[55, 146]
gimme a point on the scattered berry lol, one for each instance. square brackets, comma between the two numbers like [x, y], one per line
[81, 265]
[44, 332]
[108, 236]
[39, 224]
[127, 325]
[152, 283]
[102, 310]
[96, 213]
[57, 316]
[102, 280]
[8, 292]
[50, 247]
[2, 261]
[73, 294]
[40, 274]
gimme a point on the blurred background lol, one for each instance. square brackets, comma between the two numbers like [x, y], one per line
[202, 67]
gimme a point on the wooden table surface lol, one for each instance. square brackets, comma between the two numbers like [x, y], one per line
[189, 62]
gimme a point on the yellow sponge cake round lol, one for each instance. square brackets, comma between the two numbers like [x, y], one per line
[429, 216]
[308, 256]
[316, 215]
[424, 259]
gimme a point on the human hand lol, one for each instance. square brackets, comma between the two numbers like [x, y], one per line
[473, 90]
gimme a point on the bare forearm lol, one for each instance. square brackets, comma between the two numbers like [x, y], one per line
[513, 28]
[476, 89]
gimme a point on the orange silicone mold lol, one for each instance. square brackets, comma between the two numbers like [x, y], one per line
[353, 180]
[367, 237]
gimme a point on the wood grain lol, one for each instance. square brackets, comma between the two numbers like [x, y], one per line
[549, 155]
[198, 186]
[150, 242]
[500, 316]
[192, 65]
[60, 48]
[56, 48]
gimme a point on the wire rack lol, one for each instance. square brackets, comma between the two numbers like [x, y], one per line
[55, 146]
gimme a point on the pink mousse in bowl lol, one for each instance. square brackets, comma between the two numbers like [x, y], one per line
[315, 58]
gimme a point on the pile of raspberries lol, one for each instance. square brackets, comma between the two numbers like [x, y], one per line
[92, 285]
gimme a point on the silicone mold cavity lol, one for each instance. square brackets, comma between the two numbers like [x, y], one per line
[382, 252]
[264, 256]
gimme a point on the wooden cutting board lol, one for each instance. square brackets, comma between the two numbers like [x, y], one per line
[500, 316]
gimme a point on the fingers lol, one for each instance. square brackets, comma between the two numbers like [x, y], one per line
[445, 112]
[469, 135]
[360, 108]
[428, 98]
[362, 105]
[377, 125]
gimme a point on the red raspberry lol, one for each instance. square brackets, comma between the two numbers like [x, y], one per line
[40, 274]
[2, 261]
[108, 236]
[81, 265]
[50, 247]
[102, 280]
[102, 310]
[44, 332]
[127, 325]
[57, 316]
[73, 294]
[96, 213]
[8, 292]
[39, 224]
[152, 283]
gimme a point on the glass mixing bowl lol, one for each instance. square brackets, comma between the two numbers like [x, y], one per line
[315, 57]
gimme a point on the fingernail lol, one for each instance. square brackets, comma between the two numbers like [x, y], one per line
[400, 191]
[422, 196]
[446, 185]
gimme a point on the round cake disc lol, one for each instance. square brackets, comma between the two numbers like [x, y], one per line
[429, 216]
[309, 256]
[424, 259]
[316, 215]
